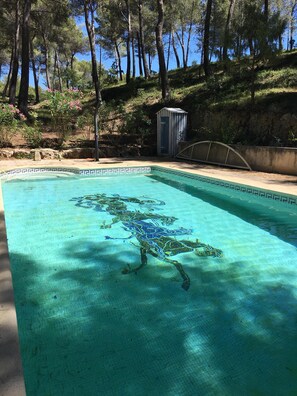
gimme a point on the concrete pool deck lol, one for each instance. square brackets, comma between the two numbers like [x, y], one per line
[11, 375]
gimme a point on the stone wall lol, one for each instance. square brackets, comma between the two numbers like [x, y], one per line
[73, 153]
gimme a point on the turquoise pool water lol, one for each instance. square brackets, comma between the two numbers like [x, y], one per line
[212, 311]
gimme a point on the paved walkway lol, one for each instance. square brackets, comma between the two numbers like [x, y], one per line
[11, 377]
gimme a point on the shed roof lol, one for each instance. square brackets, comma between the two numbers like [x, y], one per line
[173, 110]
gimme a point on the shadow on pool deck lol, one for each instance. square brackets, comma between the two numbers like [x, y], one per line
[108, 333]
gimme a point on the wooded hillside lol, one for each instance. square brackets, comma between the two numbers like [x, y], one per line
[238, 88]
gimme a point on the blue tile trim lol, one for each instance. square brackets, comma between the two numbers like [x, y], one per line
[116, 171]
[84, 172]
[21, 171]
[286, 198]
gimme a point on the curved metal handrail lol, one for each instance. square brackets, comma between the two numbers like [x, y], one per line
[206, 160]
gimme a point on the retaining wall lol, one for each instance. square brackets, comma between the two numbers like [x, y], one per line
[265, 158]
[270, 159]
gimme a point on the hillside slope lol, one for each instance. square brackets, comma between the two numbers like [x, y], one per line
[221, 108]
[218, 109]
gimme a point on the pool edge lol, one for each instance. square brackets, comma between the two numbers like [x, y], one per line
[248, 188]
[11, 370]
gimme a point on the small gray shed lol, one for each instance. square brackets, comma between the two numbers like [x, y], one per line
[171, 129]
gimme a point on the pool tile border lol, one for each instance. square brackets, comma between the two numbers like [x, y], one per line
[22, 171]
[284, 198]
[76, 171]
[115, 171]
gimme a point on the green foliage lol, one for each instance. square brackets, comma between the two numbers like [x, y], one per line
[10, 119]
[23, 155]
[226, 132]
[292, 137]
[32, 135]
[220, 129]
[64, 106]
[137, 122]
[285, 77]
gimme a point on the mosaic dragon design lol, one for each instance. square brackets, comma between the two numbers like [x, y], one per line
[150, 229]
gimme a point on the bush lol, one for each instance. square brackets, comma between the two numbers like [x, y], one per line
[137, 122]
[10, 119]
[63, 107]
[32, 135]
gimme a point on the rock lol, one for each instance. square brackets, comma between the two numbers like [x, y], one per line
[49, 154]
[37, 156]
[6, 153]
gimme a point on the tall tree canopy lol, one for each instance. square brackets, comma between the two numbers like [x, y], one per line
[46, 37]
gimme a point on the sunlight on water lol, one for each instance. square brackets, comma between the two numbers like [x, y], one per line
[210, 311]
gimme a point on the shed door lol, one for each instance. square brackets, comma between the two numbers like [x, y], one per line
[164, 135]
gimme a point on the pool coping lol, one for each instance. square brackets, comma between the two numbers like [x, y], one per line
[11, 372]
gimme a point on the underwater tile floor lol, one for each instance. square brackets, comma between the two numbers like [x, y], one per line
[11, 377]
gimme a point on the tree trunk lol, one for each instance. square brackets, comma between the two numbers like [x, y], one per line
[141, 36]
[175, 50]
[91, 35]
[253, 79]
[67, 74]
[72, 61]
[189, 34]
[46, 62]
[292, 25]
[160, 49]
[280, 42]
[182, 45]
[15, 56]
[168, 52]
[206, 64]
[54, 72]
[133, 57]
[186, 46]
[59, 72]
[128, 42]
[119, 60]
[150, 60]
[227, 30]
[24, 85]
[37, 100]
[4, 93]
[139, 54]
[266, 9]
[90, 7]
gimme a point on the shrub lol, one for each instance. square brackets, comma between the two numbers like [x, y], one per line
[137, 122]
[63, 107]
[10, 118]
[32, 135]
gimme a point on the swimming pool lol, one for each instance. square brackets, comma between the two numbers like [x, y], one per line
[211, 311]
